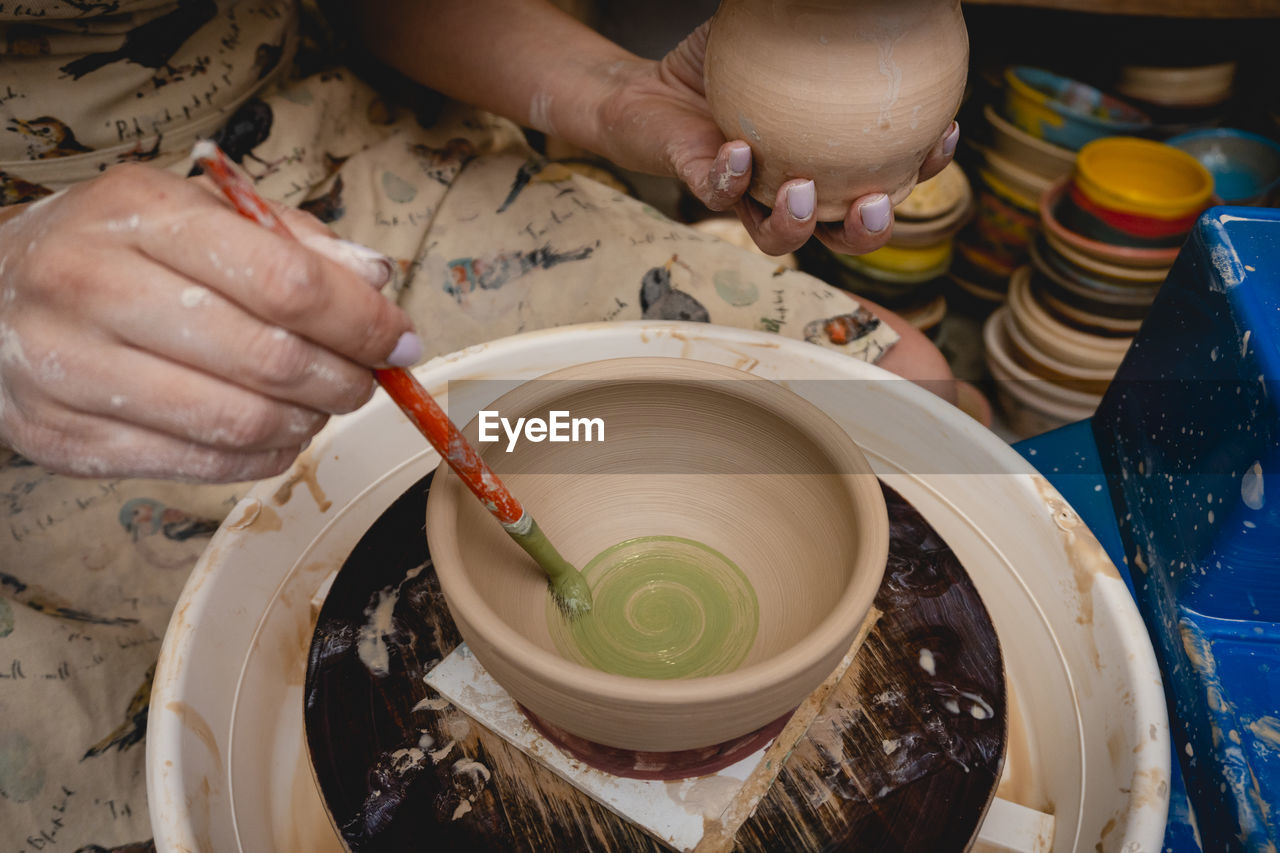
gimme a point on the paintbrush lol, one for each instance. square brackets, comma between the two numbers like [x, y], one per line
[568, 588]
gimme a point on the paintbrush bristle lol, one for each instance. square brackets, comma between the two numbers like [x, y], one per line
[572, 595]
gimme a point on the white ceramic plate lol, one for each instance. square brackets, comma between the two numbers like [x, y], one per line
[226, 766]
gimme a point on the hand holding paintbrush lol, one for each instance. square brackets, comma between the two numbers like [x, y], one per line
[568, 588]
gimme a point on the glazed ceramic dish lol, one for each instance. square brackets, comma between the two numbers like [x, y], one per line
[697, 451]
[1192, 86]
[1073, 315]
[839, 107]
[1031, 405]
[1089, 380]
[1143, 178]
[1160, 259]
[1056, 338]
[1089, 738]
[1245, 166]
[913, 233]
[1087, 294]
[1140, 277]
[1021, 148]
[901, 263]
[936, 197]
[1027, 184]
[1065, 112]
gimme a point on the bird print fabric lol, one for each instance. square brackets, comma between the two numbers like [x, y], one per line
[143, 88]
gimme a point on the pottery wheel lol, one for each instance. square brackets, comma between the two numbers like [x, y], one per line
[898, 758]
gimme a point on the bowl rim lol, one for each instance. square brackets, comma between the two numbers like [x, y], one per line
[1056, 337]
[917, 233]
[1064, 156]
[1012, 173]
[1092, 287]
[1139, 201]
[835, 631]
[1138, 276]
[1107, 252]
[1013, 77]
[1023, 380]
[1219, 133]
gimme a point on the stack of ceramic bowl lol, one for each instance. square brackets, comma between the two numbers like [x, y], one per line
[1047, 372]
[1035, 132]
[907, 274]
[1179, 99]
[1245, 166]
[1132, 193]
[1110, 232]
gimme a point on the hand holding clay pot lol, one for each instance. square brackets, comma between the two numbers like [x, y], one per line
[855, 95]
[656, 118]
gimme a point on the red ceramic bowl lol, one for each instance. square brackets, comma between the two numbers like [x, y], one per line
[1125, 256]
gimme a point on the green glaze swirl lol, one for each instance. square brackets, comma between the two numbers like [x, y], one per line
[663, 607]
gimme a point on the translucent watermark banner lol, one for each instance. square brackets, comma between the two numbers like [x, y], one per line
[1180, 428]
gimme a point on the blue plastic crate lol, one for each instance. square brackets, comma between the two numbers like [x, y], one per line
[1173, 473]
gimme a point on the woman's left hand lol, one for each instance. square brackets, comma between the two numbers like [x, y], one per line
[658, 121]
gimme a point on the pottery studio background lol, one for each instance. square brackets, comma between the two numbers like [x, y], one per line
[1194, 75]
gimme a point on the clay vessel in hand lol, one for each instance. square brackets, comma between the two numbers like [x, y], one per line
[850, 93]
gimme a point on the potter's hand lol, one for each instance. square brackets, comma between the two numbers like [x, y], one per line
[148, 329]
[664, 106]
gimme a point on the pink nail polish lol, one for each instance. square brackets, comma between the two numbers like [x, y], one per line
[875, 214]
[949, 143]
[801, 200]
[407, 352]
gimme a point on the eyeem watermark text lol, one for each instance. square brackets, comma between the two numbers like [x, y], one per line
[559, 426]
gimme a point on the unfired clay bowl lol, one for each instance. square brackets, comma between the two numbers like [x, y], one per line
[692, 450]
[852, 95]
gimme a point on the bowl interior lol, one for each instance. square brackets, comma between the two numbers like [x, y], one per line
[724, 462]
[1244, 165]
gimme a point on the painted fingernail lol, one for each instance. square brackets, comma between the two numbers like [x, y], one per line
[949, 142]
[408, 350]
[801, 199]
[739, 160]
[875, 213]
[373, 266]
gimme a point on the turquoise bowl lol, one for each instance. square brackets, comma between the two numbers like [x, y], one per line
[1245, 166]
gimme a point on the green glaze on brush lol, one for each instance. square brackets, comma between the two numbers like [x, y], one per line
[663, 607]
[568, 589]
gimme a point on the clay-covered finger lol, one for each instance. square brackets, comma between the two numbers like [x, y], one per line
[285, 283]
[729, 177]
[202, 329]
[87, 445]
[789, 224]
[941, 154]
[866, 227]
[124, 384]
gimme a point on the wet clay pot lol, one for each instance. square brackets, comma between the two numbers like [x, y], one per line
[692, 450]
[850, 94]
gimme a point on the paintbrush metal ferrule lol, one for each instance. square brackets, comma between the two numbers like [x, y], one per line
[520, 527]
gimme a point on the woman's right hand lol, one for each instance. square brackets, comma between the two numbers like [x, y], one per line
[147, 329]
